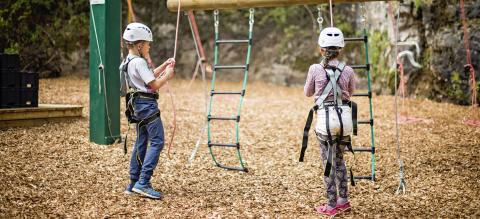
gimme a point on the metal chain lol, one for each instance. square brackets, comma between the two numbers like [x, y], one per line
[320, 19]
[251, 19]
[216, 20]
[364, 15]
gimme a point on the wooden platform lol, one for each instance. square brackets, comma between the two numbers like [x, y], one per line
[38, 115]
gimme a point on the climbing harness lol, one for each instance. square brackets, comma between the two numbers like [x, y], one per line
[130, 92]
[167, 86]
[356, 122]
[217, 67]
[333, 75]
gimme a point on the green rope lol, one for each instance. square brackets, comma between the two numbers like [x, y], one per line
[371, 107]
[213, 83]
[244, 86]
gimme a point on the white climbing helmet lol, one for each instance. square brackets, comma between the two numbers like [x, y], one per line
[331, 36]
[137, 31]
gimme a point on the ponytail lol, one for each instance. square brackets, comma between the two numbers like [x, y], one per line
[330, 53]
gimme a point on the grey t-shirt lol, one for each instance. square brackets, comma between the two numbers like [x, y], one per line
[140, 74]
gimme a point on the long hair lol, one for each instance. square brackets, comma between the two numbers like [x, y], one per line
[330, 53]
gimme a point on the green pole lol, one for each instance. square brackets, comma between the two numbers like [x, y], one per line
[105, 17]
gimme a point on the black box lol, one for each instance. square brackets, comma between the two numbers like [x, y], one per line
[9, 78]
[9, 97]
[28, 80]
[10, 62]
[28, 97]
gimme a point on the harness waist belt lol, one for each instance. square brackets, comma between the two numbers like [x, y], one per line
[332, 103]
[146, 95]
[308, 124]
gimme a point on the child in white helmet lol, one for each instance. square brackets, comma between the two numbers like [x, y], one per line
[332, 83]
[142, 84]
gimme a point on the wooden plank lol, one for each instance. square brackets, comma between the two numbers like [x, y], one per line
[238, 4]
[43, 111]
[33, 122]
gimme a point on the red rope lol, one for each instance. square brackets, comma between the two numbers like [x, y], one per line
[473, 83]
[466, 43]
[402, 87]
[170, 92]
[169, 89]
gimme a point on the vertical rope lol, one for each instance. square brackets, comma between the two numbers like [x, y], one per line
[331, 14]
[101, 70]
[170, 93]
[176, 31]
[131, 13]
[402, 184]
[466, 42]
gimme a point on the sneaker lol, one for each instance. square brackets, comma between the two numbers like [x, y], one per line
[146, 190]
[322, 209]
[129, 188]
[343, 207]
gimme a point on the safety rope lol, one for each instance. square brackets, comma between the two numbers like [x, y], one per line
[170, 91]
[469, 66]
[200, 65]
[131, 12]
[331, 13]
[402, 184]
[101, 71]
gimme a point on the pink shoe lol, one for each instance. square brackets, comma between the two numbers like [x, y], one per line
[322, 209]
[343, 207]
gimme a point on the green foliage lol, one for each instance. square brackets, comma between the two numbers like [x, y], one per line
[381, 72]
[43, 31]
[418, 4]
[455, 89]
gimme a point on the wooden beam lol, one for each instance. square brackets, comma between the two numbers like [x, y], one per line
[38, 115]
[237, 4]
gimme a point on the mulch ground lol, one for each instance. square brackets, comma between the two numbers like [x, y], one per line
[54, 171]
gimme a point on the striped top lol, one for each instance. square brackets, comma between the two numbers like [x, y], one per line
[317, 81]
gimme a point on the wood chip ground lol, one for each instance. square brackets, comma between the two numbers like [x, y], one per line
[54, 171]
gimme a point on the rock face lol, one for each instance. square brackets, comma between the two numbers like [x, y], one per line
[446, 53]
[436, 28]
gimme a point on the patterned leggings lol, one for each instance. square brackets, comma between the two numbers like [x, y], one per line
[338, 175]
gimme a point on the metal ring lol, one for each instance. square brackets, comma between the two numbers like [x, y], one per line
[252, 15]
[215, 18]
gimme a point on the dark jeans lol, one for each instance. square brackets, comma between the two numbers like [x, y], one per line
[144, 161]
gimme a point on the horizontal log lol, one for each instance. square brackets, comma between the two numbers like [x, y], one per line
[237, 4]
